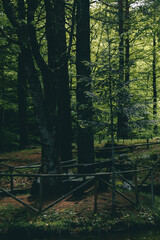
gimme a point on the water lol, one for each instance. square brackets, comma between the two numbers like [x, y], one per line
[145, 235]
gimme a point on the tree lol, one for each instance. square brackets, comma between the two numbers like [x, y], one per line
[8, 90]
[52, 112]
[22, 88]
[124, 71]
[84, 84]
[58, 60]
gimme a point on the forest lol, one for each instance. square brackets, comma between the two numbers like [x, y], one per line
[75, 72]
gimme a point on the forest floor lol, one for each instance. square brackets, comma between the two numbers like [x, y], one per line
[77, 214]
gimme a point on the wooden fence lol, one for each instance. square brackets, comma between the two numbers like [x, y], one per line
[86, 179]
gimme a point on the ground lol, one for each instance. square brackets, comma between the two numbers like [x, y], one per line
[75, 213]
[104, 202]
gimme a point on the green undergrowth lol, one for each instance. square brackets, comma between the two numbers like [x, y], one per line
[71, 221]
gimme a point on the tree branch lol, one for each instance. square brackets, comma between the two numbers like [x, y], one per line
[11, 14]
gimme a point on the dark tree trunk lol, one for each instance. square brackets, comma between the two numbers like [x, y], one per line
[46, 94]
[58, 61]
[84, 101]
[22, 102]
[64, 111]
[22, 88]
[2, 112]
[45, 115]
[45, 101]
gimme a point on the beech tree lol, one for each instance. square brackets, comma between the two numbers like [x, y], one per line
[22, 87]
[50, 91]
[84, 85]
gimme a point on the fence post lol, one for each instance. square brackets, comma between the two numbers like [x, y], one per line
[136, 185]
[39, 180]
[113, 188]
[95, 195]
[152, 187]
[11, 172]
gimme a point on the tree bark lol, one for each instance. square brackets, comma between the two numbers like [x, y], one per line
[50, 95]
[122, 85]
[154, 84]
[85, 142]
[58, 62]
[22, 102]
[127, 44]
[2, 112]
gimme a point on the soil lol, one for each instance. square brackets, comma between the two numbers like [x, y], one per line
[87, 202]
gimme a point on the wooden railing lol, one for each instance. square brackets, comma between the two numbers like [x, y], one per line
[86, 179]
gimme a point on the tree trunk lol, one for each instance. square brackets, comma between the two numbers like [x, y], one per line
[2, 111]
[154, 84]
[127, 45]
[22, 102]
[58, 61]
[85, 142]
[122, 85]
[22, 87]
[50, 95]
[127, 68]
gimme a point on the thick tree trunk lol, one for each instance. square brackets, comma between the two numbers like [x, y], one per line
[64, 111]
[45, 115]
[45, 112]
[58, 61]
[84, 101]
[47, 92]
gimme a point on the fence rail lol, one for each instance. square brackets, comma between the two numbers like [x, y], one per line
[94, 177]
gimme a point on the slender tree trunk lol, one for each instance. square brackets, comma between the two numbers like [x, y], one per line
[2, 112]
[22, 88]
[123, 83]
[112, 127]
[154, 84]
[22, 102]
[127, 45]
[84, 101]
[120, 120]
[127, 68]
[71, 41]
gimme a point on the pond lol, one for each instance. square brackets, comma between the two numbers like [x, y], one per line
[144, 235]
